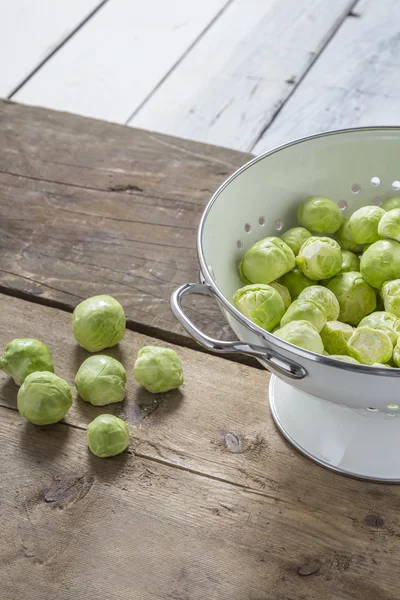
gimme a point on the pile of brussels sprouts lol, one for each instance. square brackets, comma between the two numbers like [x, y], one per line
[331, 285]
[44, 398]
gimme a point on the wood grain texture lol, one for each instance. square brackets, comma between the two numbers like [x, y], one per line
[110, 66]
[355, 82]
[111, 209]
[231, 83]
[30, 31]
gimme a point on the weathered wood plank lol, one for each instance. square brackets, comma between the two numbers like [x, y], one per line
[231, 83]
[109, 67]
[30, 32]
[354, 83]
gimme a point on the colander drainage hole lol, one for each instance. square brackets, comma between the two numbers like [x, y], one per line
[355, 188]
[247, 228]
[376, 201]
[396, 185]
[342, 204]
[375, 181]
[239, 244]
[278, 225]
[372, 409]
[261, 220]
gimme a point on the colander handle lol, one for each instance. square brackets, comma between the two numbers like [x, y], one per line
[278, 364]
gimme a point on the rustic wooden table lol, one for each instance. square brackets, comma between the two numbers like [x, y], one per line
[210, 502]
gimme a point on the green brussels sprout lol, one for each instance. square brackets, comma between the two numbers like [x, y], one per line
[363, 224]
[391, 297]
[305, 310]
[24, 356]
[260, 303]
[335, 335]
[319, 258]
[295, 238]
[159, 369]
[44, 398]
[344, 358]
[396, 353]
[284, 293]
[381, 366]
[107, 435]
[356, 298]
[384, 321]
[391, 203]
[295, 282]
[350, 262]
[320, 215]
[381, 262]
[345, 240]
[266, 260]
[302, 334]
[324, 297]
[101, 380]
[389, 225]
[369, 346]
[98, 322]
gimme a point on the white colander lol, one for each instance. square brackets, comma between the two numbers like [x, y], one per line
[343, 416]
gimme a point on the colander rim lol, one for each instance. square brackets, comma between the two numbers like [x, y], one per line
[269, 337]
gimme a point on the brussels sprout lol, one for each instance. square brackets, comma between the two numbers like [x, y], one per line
[335, 335]
[260, 303]
[381, 366]
[319, 258]
[391, 297]
[44, 398]
[24, 356]
[98, 323]
[266, 260]
[302, 334]
[370, 346]
[381, 262]
[384, 321]
[101, 380]
[350, 262]
[363, 224]
[284, 293]
[389, 225]
[107, 435]
[295, 282]
[345, 358]
[324, 297]
[320, 215]
[356, 298]
[295, 238]
[159, 369]
[391, 203]
[305, 310]
[396, 353]
[345, 240]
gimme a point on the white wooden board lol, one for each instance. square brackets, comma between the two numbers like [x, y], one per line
[29, 32]
[230, 85]
[111, 65]
[355, 82]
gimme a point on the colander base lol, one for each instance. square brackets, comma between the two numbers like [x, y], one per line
[364, 446]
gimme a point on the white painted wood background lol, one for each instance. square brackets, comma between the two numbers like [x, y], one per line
[247, 74]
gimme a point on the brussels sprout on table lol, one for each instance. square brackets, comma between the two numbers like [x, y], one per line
[319, 258]
[350, 262]
[101, 380]
[356, 298]
[319, 215]
[295, 281]
[389, 225]
[98, 322]
[391, 203]
[381, 262]
[370, 346]
[267, 260]
[363, 224]
[23, 356]
[384, 321]
[391, 297]
[107, 435]
[324, 297]
[159, 369]
[44, 398]
[283, 292]
[295, 238]
[335, 336]
[305, 310]
[302, 334]
[260, 303]
[345, 239]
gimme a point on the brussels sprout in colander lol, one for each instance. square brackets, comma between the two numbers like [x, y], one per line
[302, 334]
[384, 321]
[260, 303]
[295, 281]
[320, 215]
[305, 310]
[391, 203]
[267, 260]
[350, 262]
[391, 297]
[335, 336]
[356, 298]
[381, 263]
[324, 297]
[389, 225]
[344, 358]
[319, 258]
[370, 346]
[345, 239]
[283, 292]
[363, 224]
[295, 238]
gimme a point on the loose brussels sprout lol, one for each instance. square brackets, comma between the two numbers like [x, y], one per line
[356, 298]
[295, 282]
[391, 297]
[391, 203]
[324, 297]
[389, 225]
[24, 356]
[159, 369]
[363, 224]
[302, 334]
[345, 358]
[284, 293]
[370, 346]
[101, 380]
[319, 258]
[295, 238]
[350, 262]
[345, 240]
[44, 398]
[260, 303]
[305, 310]
[107, 435]
[98, 322]
[320, 215]
[266, 260]
[381, 262]
[384, 321]
[335, 335]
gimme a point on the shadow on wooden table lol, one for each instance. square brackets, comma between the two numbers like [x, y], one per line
[8, 393]
[53, 439]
